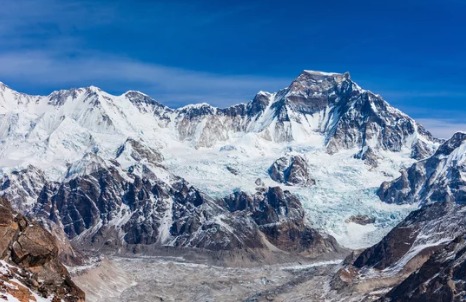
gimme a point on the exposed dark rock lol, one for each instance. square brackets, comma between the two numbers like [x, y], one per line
[138, 151]
[429, 224]
[368, 155]
[232, 170]
[280, 216]
[441, 278]
[291, 171]
[259, 182]
[361, 219]
[107, 210]
[436, 179]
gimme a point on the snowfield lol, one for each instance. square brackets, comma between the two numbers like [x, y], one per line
[344, 186]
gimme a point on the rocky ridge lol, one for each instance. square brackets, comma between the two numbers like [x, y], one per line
[421, 259]
[30, 268]
[110, 209]
[439, 178]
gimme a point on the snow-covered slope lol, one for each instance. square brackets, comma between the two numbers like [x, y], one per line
[439, 178]
[351, 139]
[421, 259]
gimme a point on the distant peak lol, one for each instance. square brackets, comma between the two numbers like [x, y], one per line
[195, 106]
[262, 92]
[3, 86]
[458, 139]
[135, 92]
[94, 88]
[314, 73]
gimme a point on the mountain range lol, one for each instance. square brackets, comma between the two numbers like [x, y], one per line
[313, 170]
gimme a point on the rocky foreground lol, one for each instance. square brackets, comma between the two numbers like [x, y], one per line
[30, 269]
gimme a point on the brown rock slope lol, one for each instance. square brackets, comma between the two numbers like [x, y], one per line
[29, 266]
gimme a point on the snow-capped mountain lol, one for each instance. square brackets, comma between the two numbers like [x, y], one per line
[439, 178]
[422, 258]
[330, 108]
[119, 157]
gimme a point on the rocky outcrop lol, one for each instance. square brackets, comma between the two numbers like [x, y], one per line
[441, 278]
[137, 151]
[361, 219]
[108, 209]
[421, 259]
[421, 233]
[368, 155]
[23, 186]
[280, 216]
[292, 171]
[29, 267]
[439, 178]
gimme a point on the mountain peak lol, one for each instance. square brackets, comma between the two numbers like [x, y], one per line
[320, 73]
[4, 87]
[458, 139]
[315, 74]
[196, 106]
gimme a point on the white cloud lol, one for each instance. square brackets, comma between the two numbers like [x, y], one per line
[173, 86]
[442, 128]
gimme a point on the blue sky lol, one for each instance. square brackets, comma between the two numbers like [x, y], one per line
[223, 52]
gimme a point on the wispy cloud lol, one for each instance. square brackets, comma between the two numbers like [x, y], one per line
[173, 86]
[442, 128]
[44, 46]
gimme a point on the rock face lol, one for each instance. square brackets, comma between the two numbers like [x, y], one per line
[423, 231]
[29, 265]
[106, 208]
[292, 171]
[421, 259]
[361, 219]
[368, 155]
[441, 278]
[439, 178]
[280, 216]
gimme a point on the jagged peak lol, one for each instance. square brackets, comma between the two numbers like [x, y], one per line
[196, 106]
[75, 91]
[136, 96]
[265, 93]
[458, 139]
[135, 92]
[5, 87]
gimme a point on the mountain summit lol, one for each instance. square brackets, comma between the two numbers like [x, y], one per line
[327, 108]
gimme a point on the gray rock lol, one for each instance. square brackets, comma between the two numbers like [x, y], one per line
[435, 179]
[293, 171]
